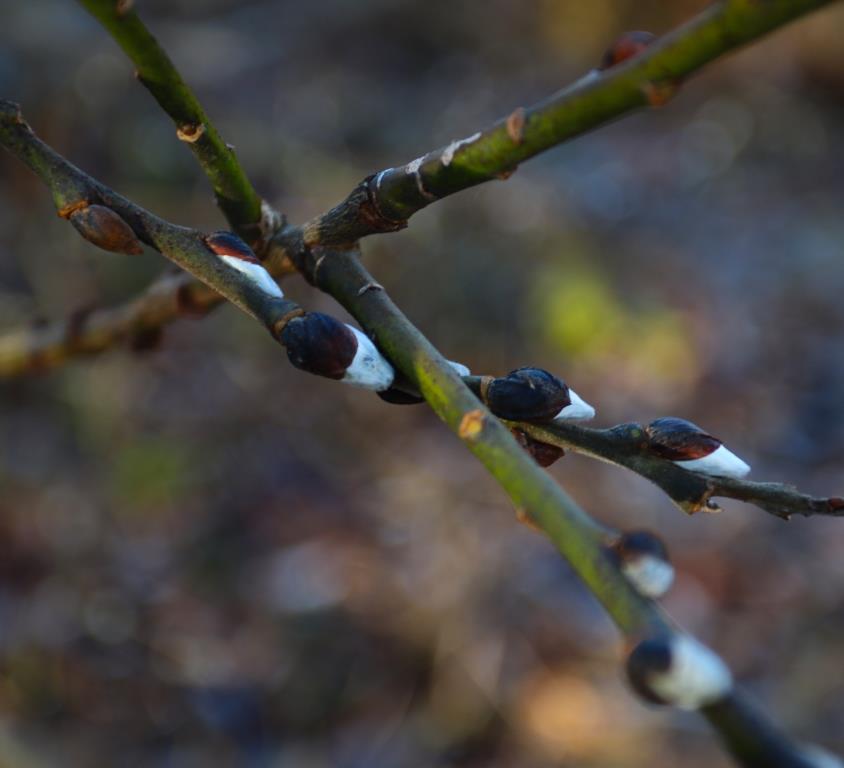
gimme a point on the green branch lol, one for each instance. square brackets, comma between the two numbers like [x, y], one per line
[385, 201]
[586, 545]
[236, 197]
[114, 223]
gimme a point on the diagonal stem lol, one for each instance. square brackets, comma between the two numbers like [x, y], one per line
[385, 201]
[235, 195]
[752, 739]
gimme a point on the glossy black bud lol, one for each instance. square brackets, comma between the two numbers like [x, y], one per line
[648, 659]
[527, 394]
[319, 344]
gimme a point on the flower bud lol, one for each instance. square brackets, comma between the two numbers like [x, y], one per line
[319, 344]
[643, 559]
[545, 454]
[533, 394]
[238, 255]
[626, 47]
[689, 447]
[678, 670]
[106, 229]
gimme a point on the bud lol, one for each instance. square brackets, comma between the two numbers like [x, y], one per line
[533, 394]
[689, 447]
[545, 454]
[238, 255]
[643, 559]
[626, 47]
[678, 670]
[106, 229]
[321, 345]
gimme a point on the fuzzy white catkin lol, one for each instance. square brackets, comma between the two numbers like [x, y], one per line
[697, 676]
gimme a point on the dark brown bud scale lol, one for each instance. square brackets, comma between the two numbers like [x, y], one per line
[229, 244]
[527, 394]
[679, 440]
[319, 344]
[632, 544]
[626, 47]
[544, 454]
[653, 656]
[106, 229]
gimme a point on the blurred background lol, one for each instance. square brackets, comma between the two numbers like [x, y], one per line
[212, 559]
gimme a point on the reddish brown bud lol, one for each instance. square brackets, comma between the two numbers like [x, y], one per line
[105, 228]
[544, 454]
[229, 244]
[679, 440]
[626, 47]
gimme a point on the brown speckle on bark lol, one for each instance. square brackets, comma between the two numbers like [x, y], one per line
[516, 126]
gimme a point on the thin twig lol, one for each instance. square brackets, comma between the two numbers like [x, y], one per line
[75, 193]
[626, 446]
[748, 734]
[385, 201]
[242, 206]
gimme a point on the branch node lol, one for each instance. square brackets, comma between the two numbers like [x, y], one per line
[471, 425]
[516, 126]
[66, 211]
[370, 286]
[190, 132]
[659, 93]
[123, 7]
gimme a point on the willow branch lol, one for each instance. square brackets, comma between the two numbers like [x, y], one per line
[585, 544]
[252, 219]
[626, 445]
[385, 201]
[115, 223]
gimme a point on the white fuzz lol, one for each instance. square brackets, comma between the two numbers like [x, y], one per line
[256, 273]
[412, 168]
[697, 676]
[448, 153]
[369, 368]
[461, 369]
[820, 758]
[578, 410]
[720, 462]
[651, 576]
